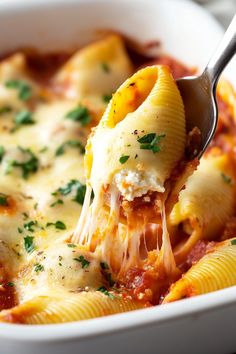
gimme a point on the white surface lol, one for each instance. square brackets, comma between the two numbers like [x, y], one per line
[205, 324]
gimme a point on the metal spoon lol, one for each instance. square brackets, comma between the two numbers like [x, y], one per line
[199, 92]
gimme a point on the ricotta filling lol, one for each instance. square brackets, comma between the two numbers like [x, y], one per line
[133, 184]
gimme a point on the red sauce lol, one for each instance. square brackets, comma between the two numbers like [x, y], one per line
[7, 291]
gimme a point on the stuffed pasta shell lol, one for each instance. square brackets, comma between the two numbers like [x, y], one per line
[215, 271]
[206, 203]
[95, 72]
[129, 157]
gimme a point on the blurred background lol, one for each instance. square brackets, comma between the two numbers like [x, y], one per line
[223, 10]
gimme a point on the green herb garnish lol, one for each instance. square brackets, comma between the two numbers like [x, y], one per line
[84, 262]
[44, 149]
[5, 109]
[151, 142]
[58, 225]
[73, 185]
[105, 67]
[71, 245]
[108, 277]
[123, 159]
[233, 242]
[104, 265]
[24, 118]
[10, 283]
[24, 90]
[80, 114]
[27, 167]
[70, 143]
[57, 202]
[3, 199]
[106, 98]
[226, 179]
[104, 290]
[2, 152]
[38, 268]
[29, 244]
[29, 225]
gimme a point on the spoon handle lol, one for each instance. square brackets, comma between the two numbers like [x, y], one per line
[224, 52]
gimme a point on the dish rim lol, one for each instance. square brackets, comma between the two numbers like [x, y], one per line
[123, 321]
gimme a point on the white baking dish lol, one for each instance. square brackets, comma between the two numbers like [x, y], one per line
[205, 324]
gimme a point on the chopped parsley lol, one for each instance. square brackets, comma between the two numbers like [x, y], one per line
[29, 225]
[80, 114]
[74, 184]
[104, 290]
[70, 143]
[27, 167]
[29, 244]
[106, 98]
[5, 109]
[2, 152]
[25, 216]
[3, 199]
[24, 118]
[20, 230]
[57, 202]
[10, 284]
[44, 149]
[84, 262]
[24, 90]
[123, 159]
[226, 179]
[233, 242]
[71, 245]
[105, 67]
[104, 265]
[58, 225]
[151, 142]
[38, 268]
[108, 277]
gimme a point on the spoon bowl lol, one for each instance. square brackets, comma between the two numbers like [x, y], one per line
[199, 95]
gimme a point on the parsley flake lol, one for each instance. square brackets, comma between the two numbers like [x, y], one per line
[24, 90]
[29, 225]
[151, 142]
[70, 143]
[106, 98]
[3, 199]
[58, 225]
[2, 152]
[29, 244]
[104, 265]
[38, 268]
[233, 242]
[123, 159]
[80, 114]
[75, 185]
[5, 109]
[105, 67]
[71, 245]
[226, 179]
[27, 167]
[104, 290]
[24, 118]
[57, 202]
[84, 262]
[10, 284]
